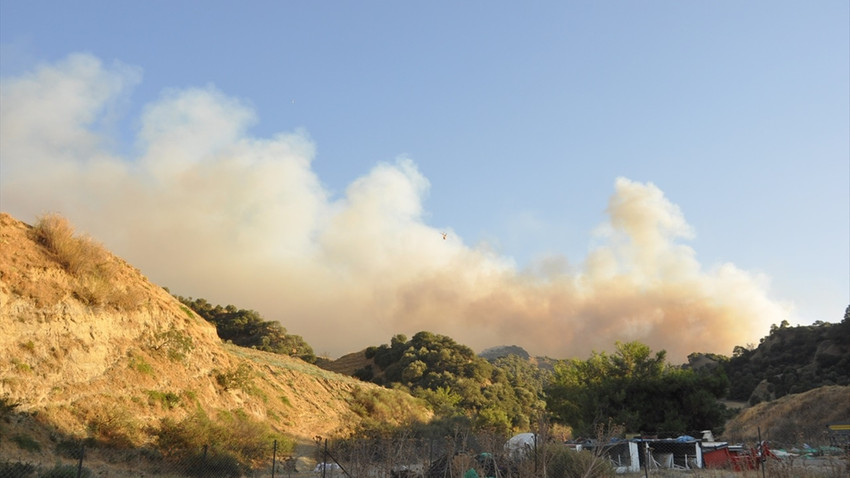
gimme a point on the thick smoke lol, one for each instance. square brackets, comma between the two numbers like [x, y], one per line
[209, 211]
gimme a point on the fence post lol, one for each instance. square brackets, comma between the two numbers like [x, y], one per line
[80, 464]
[646, 459]
[325, 458]
[274, 457]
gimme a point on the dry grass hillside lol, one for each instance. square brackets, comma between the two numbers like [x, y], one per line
[347, 364]
[793, 419]
[91, 348]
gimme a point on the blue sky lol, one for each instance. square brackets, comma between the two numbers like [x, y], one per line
[511, 123]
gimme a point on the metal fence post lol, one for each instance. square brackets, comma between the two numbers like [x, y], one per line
[274, 457]
[80, 464]
[325, 458]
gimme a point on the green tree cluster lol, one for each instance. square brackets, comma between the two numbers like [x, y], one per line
[792, 360]
[247, 328]
[637, 389]
[456, 382]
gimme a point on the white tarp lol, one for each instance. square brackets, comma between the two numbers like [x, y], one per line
[521, 445]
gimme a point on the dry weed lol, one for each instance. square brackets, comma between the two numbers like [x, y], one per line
[94, 270]
[78, 255]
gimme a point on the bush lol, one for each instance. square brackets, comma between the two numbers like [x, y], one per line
[140, 365]
[249, 440]
[176, 344]
[77, 255]
[366, 373]
[115, 428]
[65, 471]
[17, 469]
[566, 463]
[167, 400]
[247, 328]
[212, 466]
[72, 449]
[87, 261]
[26, 442]
[7, 407]
[381, 409]
[239, 377]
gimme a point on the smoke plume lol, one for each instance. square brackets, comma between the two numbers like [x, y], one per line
[205, 209]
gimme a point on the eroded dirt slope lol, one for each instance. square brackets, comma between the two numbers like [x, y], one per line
[139, 355]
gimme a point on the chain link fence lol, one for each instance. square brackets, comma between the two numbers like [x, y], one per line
[458, 456]
[89, 462]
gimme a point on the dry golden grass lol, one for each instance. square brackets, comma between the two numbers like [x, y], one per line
[792, 419]
[93, 269]
[78, 255]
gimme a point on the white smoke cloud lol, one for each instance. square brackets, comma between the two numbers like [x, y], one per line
[209, 211]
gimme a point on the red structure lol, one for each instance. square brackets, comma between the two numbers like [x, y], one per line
[737, 458]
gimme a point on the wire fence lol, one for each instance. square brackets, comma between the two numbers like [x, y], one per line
[403, 457]
[83, 461]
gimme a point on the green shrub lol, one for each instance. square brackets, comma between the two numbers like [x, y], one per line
[17, 469]
[221, 465]
[239, 377]
[66, 471]
[72, 449]
[366, 373]
[167, 400]
[115, 428]
[26, 442]
[250, 441]
[175, 343]
[187, 311]
[140, 365]
[247, 328]
[7, 407]
[21, 366]
[567, 463]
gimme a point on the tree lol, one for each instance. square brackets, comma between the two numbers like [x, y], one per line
[792, 360]
[454, 381]
[637, 389]
[247, 328]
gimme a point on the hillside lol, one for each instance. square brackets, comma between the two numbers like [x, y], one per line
[791, 360]
[92, 349]
[347, 364]
[793, 417]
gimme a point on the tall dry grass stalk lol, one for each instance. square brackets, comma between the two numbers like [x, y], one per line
[78, 255]
[91, 266]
